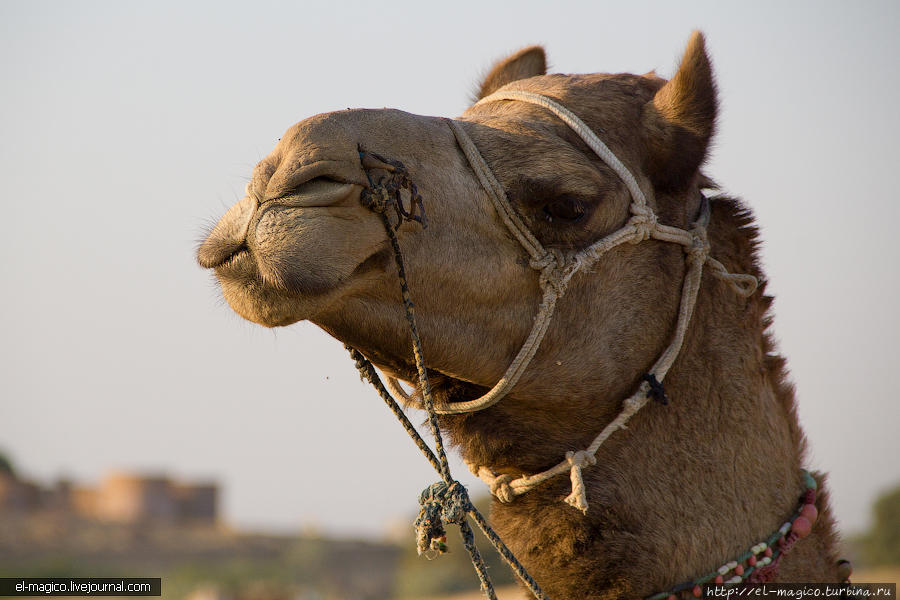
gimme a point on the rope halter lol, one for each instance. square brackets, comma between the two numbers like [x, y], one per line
[447, 501]
[557, 268]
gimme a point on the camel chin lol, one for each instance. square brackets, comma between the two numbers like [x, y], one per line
[255, 300]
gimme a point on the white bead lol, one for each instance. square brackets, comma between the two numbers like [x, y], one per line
[726, 567]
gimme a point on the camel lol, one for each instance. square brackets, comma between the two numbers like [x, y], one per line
[691, 483]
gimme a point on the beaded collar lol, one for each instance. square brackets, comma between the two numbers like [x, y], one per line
[760, 563]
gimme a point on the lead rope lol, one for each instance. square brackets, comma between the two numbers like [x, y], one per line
[448, 500]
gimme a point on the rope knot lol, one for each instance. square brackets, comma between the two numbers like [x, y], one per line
[553, 267]
[501, 489]
[699, 248]
[644, 221]
[549, 259]
[440, 503]
[377, 199]
[632, 404]
[389, 190]
[578, 460]
[581, 458]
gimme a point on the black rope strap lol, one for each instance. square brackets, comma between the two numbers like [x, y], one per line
[368, 373]
[657, 391]
[446, 501]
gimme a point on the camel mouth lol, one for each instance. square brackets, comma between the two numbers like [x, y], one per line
[450, 390]
[273, 257]
[236, 266]
[255, 274]
[445, 389]
[251, 296]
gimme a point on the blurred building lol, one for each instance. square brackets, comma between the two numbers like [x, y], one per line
[121, 497]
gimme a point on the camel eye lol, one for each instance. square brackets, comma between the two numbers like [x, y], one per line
[564, 209]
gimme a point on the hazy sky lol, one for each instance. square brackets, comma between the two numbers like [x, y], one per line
[126, 128]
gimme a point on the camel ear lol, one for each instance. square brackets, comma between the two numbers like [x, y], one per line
[527, 62]
[679, 122]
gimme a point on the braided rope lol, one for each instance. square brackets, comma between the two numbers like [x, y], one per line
[448, 500]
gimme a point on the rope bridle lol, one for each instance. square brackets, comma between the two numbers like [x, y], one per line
[448, 501]
[556, 270]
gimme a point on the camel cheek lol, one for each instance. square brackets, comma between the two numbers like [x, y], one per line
[313, 250]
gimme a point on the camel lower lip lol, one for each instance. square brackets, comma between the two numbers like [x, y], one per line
[236, 265]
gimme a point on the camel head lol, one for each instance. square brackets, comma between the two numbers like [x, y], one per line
[301, 245]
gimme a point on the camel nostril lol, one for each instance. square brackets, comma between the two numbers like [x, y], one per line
[319, 191]
[229, 236]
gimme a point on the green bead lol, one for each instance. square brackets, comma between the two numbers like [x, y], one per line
[809, 480]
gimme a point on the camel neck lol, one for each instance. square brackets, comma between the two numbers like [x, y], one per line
[702, 478]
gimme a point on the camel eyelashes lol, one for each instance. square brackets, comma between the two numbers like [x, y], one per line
[543, 196]
[564, 209]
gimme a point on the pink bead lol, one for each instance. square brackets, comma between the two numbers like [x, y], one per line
[768, 552]
[810, 512]
[751, 561]
[801, 526]
[719, 580]
[697, 591]
[739, 570]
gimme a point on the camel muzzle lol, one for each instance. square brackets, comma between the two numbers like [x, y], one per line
[229, 236]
